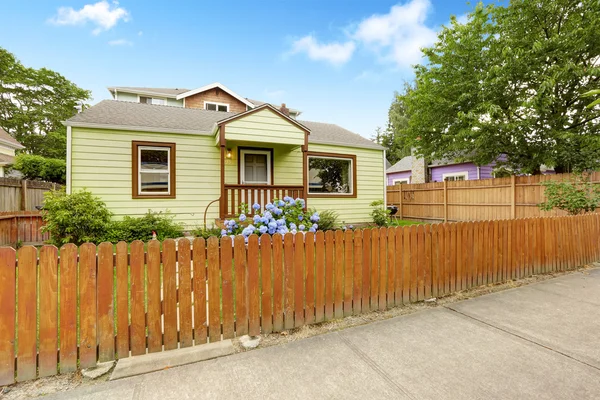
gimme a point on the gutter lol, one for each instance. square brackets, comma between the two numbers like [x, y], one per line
[134, 128]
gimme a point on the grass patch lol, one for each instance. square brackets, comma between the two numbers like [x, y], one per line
[403, 222]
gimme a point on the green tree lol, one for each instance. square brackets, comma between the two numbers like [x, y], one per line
[394, 137]
[33, 104]
[510, 81]
[576, 196]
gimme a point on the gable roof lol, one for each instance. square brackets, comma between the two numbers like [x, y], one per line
[213, 86]
[7, 140]
[266, 106]
[125, 115]
[260, 103]
[164, 92]
[404, 164]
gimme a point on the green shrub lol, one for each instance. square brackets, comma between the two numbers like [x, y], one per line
[380, 213]
[76, 218]
[205, 233]
[328, 219]
[575, 196]
[37, 167]
[141, 228]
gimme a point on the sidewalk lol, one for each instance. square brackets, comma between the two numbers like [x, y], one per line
[539, 341]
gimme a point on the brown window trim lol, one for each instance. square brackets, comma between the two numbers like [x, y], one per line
[332, 196]
[239, 165]
[134, 186]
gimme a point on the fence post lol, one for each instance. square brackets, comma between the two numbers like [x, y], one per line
[513, 196]
[23, 195]
[445, 201]
[400, 203]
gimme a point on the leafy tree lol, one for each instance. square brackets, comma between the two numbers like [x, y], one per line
[37, 167]
[33, 104]
[510, 81]
[394, 137]
[576, 196]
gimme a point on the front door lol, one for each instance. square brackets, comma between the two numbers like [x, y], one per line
[255, 167]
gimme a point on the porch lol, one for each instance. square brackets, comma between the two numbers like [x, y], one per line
[235, 195]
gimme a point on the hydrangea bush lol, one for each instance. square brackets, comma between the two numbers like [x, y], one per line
[280, 216]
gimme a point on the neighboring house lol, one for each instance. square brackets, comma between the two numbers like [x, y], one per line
[412, 169]
[209, 150]
[8, 145]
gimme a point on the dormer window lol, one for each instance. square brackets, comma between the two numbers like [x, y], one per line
[153, 100]
[209, 105]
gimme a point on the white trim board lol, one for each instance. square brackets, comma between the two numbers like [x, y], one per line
[455, 174]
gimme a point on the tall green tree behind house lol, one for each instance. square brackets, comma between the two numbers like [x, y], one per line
[510, 81]
[33, 104]
[394, 137]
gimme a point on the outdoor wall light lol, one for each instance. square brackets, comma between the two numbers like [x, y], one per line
[228, 153]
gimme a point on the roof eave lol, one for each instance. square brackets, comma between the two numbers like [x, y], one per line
[92, 125]
[12, 145]
[355, 145]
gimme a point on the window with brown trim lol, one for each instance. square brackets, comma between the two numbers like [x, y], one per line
[153, 170]
[331, 175]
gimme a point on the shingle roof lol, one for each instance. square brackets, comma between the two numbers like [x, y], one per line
[403, 165]
[177, 119]
[160, 91]
[5, 137]
[260, 103]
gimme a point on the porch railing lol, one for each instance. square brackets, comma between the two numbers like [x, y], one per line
[236, 195]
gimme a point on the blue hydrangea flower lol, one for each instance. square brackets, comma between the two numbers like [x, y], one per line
[315, 226]
[287, 198]
[267, 215]
[273, 224]
[312, 229]
[252, 227]
[263, 229]
[277, 211]
[300, 217]
[315, 217]
[272, 230]
[242, 217]
[301, 202]
[280, 222]
[247, 232]
[292, 202]
[293, 226]
[351, 227]
[256, 206]
[256, 219]
[281, 203]
[226, 222]
[223, 232]
[269, 206]
[294, 231]
[301, 227]
[282, 230]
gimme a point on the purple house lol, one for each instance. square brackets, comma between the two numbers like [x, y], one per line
[415, 170]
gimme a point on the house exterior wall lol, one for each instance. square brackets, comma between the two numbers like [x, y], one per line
[264, 126]
[370, 167]
[102, 163]
[133, 97]
[7, 151]
[216, 95]
[438, 172]
[398, 175]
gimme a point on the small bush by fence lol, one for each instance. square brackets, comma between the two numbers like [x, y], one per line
[475, 200]
[60, 310]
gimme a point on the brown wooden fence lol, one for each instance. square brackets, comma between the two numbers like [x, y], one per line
[184, 294]
[22, 195]
[21, 227]
[477, 200]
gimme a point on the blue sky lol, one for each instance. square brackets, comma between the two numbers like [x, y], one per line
[337, 61]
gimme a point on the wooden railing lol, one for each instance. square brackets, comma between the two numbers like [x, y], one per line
[21, 226]
[236, 195]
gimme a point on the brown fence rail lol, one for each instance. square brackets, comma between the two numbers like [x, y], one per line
[102, 303]
[477, 200]
[22, 195]
[21, 227]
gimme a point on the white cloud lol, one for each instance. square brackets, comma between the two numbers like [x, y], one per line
[120, 42]
[334, 53]
[399, 35]
[103, 15]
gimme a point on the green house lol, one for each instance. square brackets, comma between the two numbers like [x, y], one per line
[202, 153]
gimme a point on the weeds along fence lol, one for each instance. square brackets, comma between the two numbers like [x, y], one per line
[475, 200]
[70, 308]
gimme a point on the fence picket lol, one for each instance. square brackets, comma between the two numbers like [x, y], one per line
[88, 339]
[169, 256]
[68, 308]
[122, 300]
[277, 282]
[338, 275]
[382, 278]
[227, 283]
[427, 266]
[329, 252]
[266, 284]
[154, 316]
[253, 287]
[288, 279]
[199, 276]
[348, 268]
[420, 263]
[106, 322]
[298, 280]
[8, 293]
[137, 330]
[366, 270]
[320, 277]
[374, 266]
[184, 298]
[309, 279]
[48, 311]
[391, 268]
[357, 273]
[241, 285]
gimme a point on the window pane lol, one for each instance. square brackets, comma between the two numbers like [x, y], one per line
[154, 182]
[154, 159]
[211, 106]
[222, 108]
[329, 175]
[160, 102]
[145, 100]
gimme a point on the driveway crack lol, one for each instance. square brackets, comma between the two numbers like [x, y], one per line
[375, 367]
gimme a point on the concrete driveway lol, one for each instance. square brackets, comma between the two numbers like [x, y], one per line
[539, 341]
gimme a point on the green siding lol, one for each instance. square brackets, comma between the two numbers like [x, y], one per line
[266, 127]
[370, 184]
[101, 162]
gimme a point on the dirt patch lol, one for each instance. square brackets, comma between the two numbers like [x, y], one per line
[307, 331]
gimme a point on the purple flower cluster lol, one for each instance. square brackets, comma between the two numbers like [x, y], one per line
[279, 216]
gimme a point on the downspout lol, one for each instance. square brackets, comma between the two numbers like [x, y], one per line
[478, 173]
[384, 182]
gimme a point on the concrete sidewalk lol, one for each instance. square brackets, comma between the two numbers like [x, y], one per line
[540, 341]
